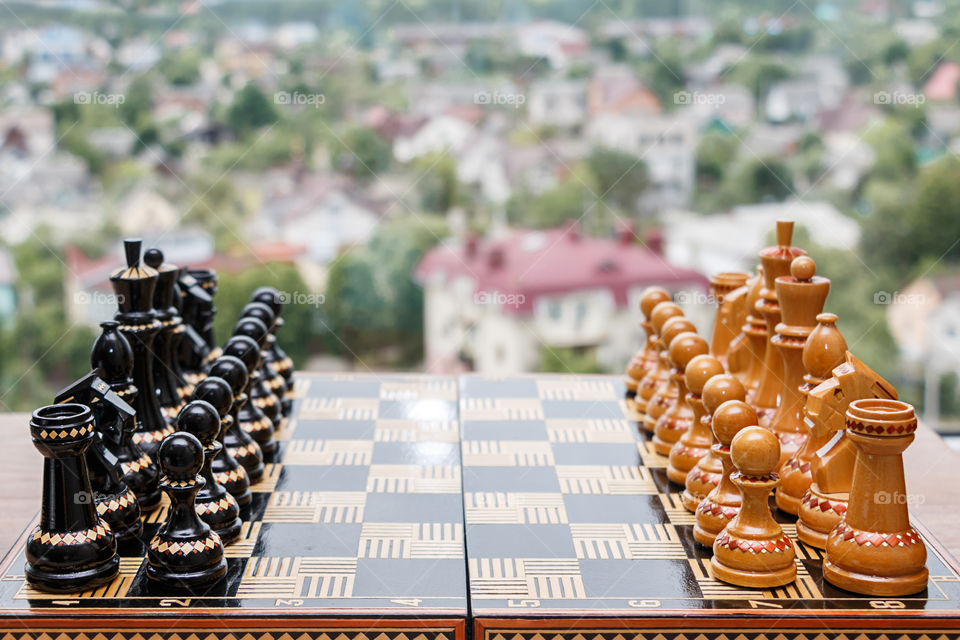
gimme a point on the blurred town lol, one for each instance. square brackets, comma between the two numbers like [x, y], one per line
[445, 186]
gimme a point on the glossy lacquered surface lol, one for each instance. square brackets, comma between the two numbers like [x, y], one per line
[361, 516]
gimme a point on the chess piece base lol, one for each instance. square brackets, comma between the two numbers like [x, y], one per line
[875, 585]
[662, 446]
[756, 579]
[683, 459]
[206, 576]
[59, 582]
[819, 514]
[787, 503]
[699, 484]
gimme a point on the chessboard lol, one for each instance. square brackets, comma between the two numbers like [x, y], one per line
[355, 532]
[574, 532]
[407, 507]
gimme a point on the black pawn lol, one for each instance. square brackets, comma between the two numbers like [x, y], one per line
[72, 548]
[214, 504]
[260, 393]
[185, 553]
[226, 469]
[281, 361]
[112, 358]
[273, 381]
[134, 287]
[168, 384]
[238, 442]
[251, 416]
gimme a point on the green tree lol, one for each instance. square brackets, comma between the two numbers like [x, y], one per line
[765, 179]
[182, 67]
[567, 201]
[621, 178]
[138, 101]
[250, 110]
[758, 73]
[362, 153]
[568, 360]
[437, 182]
[298, 335]
[355, 313]
[893, 147]
[715, 153]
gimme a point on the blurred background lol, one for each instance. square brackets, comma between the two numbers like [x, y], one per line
[446, 186]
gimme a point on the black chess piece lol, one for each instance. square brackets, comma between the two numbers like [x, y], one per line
[251, 416]
[238, 442]
[282, 363]
[185, 553]
[193, 349]
[114, 501]
[218, 392]
[112, 358]
[71, 548]
[170, 387]
[214, 504]
[273, 382]
[205, 312]
[134, 287]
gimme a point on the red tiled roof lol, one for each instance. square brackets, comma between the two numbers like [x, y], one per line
[942, 84]
[533, 264]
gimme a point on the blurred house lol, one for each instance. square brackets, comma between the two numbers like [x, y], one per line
[444, 132]
[558, 43]
[665, 143]
[322, 213]
[557, 103]
[730, 241]
[144, 211]
[924, 320]
[617, 89]
[493, 304]
[942, 83]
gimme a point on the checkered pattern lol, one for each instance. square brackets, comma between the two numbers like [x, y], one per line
[569, 510]
[565, 510]
[362, 511]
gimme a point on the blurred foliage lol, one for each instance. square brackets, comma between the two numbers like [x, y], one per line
[362, 153]
[568, 360]
[373, 313]
[42, 350]
[250, 110]
[298, 336]
[437, 182]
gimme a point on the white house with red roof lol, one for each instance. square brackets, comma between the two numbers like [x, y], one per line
[494, 304]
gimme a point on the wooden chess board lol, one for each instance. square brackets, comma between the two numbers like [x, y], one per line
[574, 532]
[426, 508]
[358, 527]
